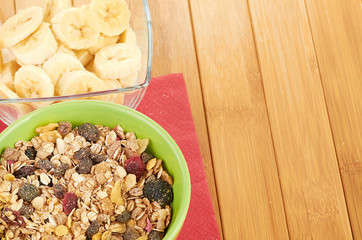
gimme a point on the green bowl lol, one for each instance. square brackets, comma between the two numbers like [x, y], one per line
[110, 114]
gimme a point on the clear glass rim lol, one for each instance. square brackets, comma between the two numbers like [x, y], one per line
[106, 92]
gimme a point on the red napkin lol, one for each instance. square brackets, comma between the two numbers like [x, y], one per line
[166, 102]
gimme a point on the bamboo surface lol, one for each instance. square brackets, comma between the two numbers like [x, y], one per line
[275, 88]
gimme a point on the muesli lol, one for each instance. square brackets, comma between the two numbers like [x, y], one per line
[87, 182]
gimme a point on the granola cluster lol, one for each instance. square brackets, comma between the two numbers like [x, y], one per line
[89, 182]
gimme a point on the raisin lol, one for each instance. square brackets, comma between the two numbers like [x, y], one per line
[124, 217]
[131, 234]
[30, 153]
[28, 192]
[92, 229]
[89, 132]
[24, 172]
[135, 166]
[69, 202]
[64, 128]
[159, 191]
[155, 235]
[97, 158]
[26, 210]
[85, 166]
[44, 164]
[82, 154]
[60, 170]
[59, 190]
[146, 157]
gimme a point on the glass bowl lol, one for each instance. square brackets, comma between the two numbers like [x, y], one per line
[14, 108]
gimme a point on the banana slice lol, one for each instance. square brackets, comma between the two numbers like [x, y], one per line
[59, 64]
[103, 41]
[20, 108]
[53, 7]
[20, 26]
[130, 80]
[115, 97]
[76, 28]
[32, 82]
[128, 36]
[117, 61]
[84, 56]
[7, 74]
[89, 66]
[64, 49]
[77, 82]
[36, 48]
[112, 15]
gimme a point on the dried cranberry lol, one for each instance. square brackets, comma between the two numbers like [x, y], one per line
[135, 166]
[24, 171]
[60, 170]
[30, 153]
[69, 202]
[44, 164]
[18, 220]
[28, 192]
[64, 128]
[59, 190]
[92, 229]
[97, 158]
[89, 132]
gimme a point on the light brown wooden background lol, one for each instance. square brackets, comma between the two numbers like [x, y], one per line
[275, 88]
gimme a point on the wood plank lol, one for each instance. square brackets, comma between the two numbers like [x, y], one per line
[21, 4]
[244, 162]
[337, 33]
[310, 180]
[7, 9]
[174, 51]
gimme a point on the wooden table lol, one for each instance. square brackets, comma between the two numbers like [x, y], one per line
[275, 88]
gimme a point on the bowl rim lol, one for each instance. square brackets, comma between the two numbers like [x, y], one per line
[128, 89]
[184, 171]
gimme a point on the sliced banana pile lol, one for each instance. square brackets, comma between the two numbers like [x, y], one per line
[63, 50]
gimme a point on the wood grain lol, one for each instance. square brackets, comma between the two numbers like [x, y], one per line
[7, 9]
[244, 163]
[337, 33]
[311, 185]
[174, 52]
[21, 4]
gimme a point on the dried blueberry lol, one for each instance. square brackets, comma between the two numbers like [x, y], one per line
[92, 229]
[135, 166]
[160, 191]
[44, 164]
[28, 192]
[82, 154]
[69, 202]
[85, 166]
[30, 153]
[64, 128]
[97, 158]
[89, 132]
[24, 172]
[60, 170]
[146, 157]
[59, 190]
[26, 210]
[131, 234]
[155, 235]
[124, 217]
